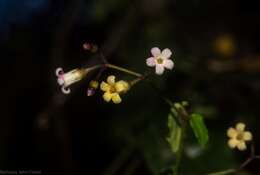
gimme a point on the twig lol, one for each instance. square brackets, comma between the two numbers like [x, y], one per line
[243, 165]
[229, 171]
[124, 70]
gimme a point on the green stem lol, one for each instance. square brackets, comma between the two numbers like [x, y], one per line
[183, 123]
[169, 102]
[123, 70]
[113, 67]
[89, 69]
[180, 152]
[229, 171]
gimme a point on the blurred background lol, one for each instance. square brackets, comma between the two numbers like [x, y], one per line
[216, 50]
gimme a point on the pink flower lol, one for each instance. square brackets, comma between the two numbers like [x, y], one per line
[160, 60]
[68, 78]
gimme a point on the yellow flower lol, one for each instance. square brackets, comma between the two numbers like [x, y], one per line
[238, 136]
[112, 89]
[93, 84]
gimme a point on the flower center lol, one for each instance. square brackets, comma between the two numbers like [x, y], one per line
[112, 89]
[159, 60]
[239, 136]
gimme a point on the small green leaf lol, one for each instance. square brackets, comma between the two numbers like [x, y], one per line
[175, 133]
[199, 128]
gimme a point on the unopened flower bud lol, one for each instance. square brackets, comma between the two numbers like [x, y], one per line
[90, 47]
[86, 46]
[93, 84]
[91, 92]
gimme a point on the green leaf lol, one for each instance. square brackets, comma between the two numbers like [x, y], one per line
[175, 133]
[199, 128]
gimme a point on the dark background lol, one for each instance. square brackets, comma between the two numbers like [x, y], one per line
[216, 51]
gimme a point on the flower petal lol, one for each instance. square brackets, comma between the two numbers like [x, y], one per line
[159, 69]
[111, 79]
[166, 53]
[121, 86]
[168, 64]
[60, 81]
[240, 126]
[232, 143]
[241, 146]
[231, 132]
[116, 98]
[155, 51]
[65, 90]
[59, 71]
[107, 96]
[104, 86]
[247, 136]
[150, 61]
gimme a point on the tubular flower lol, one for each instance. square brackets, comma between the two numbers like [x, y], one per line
[113, 89]
[160, 60]
[238, 136]
[69, 78]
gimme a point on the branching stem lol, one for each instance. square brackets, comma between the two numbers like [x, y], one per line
[130, 72]
[243, 165]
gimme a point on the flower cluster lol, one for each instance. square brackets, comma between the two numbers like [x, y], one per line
[238, 137]
[112, 89]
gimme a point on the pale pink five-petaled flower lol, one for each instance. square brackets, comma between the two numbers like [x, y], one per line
[160, 60]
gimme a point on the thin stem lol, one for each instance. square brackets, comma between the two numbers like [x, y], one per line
[133, 82]
[251, 158]
[252, 149]
[102, 56]
[180, 152]
[89, 69]
[169, 102]
[123, 70]
[181, 118]
[114, 67]
[243, 165]
[229, 171]
[257, 157]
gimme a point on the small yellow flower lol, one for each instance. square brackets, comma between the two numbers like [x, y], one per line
[238, 136]
[93, 84]
[112, 89]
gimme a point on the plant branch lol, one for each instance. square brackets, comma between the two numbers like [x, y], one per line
[180, 151]
[112, 66]
[229, 171]
[123, 70]
[243, 165]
